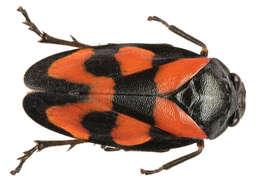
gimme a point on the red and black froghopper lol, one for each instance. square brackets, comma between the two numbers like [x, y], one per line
[142, 97]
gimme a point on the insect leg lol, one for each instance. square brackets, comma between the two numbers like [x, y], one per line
[40, 145]
[46, 38]
[177, 161]
[109, 149]
[204, 50]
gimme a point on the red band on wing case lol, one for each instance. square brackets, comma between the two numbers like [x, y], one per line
[134, 59]
[172, 75]
[72, 69]
[129, 131]
[69, 116]
[170, 118]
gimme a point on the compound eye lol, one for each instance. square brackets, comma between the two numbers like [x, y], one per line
[236, 80]
[234, 120]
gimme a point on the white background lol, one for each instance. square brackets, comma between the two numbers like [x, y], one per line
[229, 28]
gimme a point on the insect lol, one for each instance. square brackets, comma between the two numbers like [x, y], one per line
[139, 97]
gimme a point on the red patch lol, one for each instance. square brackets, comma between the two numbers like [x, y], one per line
[71, 68]
[170, 118]
[69, 116]
[130, 131]
[173, 75]
[134, 59]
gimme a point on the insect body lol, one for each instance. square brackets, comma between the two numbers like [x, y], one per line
[143, 97]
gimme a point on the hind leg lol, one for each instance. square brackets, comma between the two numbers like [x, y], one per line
[40, 145]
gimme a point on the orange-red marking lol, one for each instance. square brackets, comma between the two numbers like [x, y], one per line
[171, 76]
[72, 69]
[170, 118]
[69, 116]
[130, 131]
[134, 59]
